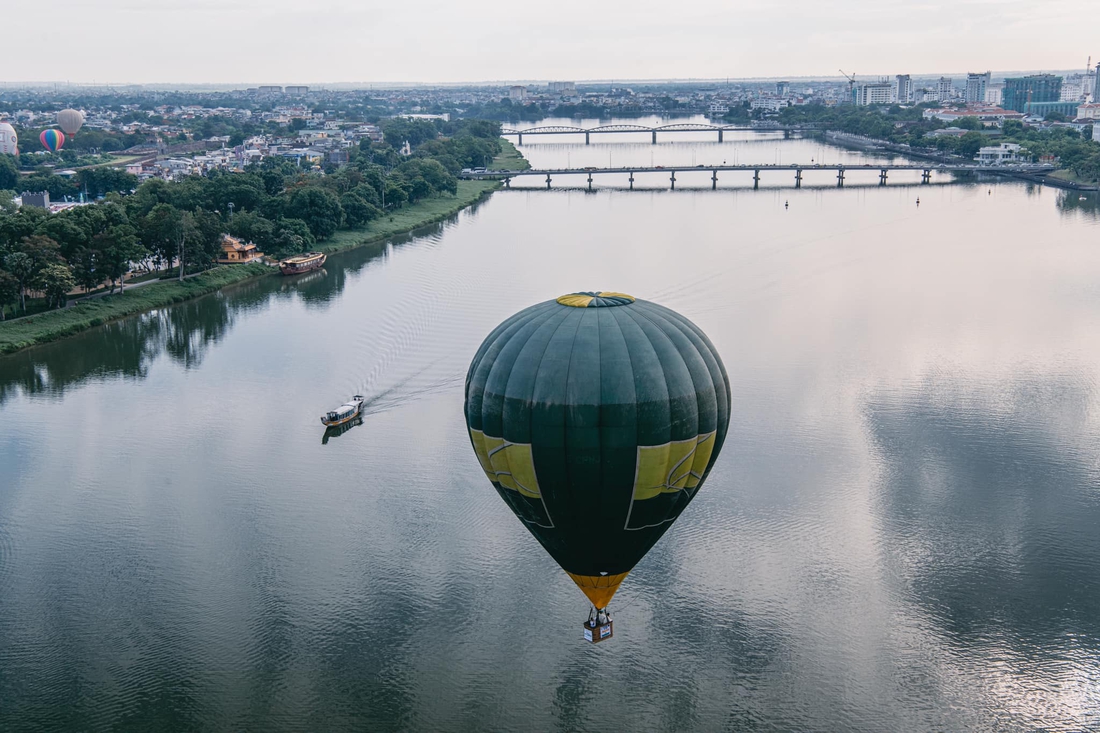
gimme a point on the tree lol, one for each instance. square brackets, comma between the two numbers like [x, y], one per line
[102, 180]
[56, 281]
[117, 248]
[184, 235]
[970, 143]
[9, 289]
[7, 201]
[291, 236]
[21, 267]
[85, 263]
[357, 212]
[253, 227]
[318, 208]
[159, 231]
[9, 173]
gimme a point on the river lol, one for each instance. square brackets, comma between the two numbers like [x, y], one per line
[900, 533]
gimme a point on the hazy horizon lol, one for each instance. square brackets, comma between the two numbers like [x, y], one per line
[391, 84]
[428, 42]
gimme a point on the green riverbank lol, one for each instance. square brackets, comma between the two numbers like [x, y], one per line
[52, 325]
[509, 159]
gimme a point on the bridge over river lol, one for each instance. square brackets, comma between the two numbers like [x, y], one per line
[798, 169]
[620, 128]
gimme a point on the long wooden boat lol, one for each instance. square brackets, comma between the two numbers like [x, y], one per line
[302, 263]
[344, 413]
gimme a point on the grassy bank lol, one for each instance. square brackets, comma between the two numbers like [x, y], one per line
[1070, 177]
[420, 214]
[509, 159]
[52, 325]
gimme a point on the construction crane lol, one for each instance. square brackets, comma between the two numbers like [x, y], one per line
[851, 84]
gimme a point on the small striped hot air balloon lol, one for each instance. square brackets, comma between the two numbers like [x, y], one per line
[52, 140]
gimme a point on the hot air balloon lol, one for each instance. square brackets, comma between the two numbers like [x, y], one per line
[9, 141]
[70, 120]
[52, 139]
[597, 417]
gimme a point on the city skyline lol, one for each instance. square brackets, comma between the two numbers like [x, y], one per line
[430, 42]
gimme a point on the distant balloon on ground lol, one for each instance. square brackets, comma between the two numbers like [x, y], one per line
[52, 140]
[597, 417]
[70, 120]
[9, 141]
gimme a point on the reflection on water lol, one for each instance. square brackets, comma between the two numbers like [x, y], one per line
[1085, 202]
[899, 534]
[336, 431]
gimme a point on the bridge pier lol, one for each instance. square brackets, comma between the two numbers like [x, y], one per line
[673, 179]
[882, 177]
[714, 179]
[520, 141]
[719, 136]
[786, 134]
[589, 181]
[926, 177]
[840, 178]
[654, 137]
[587, 141]
[756, 179]
[798, 178]
[547, 181]
[507, 182]
[631, 180]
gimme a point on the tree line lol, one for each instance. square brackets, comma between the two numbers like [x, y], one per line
[907, 125]
[283, 208]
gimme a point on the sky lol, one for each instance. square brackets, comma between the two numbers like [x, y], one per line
[326, 41]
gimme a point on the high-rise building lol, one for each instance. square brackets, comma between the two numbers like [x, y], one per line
[1096, 89]
[976, 84]
[903, 89]
[994, 93]
[945, 89]
[1024, 90]
[782, 88]
[869, 93]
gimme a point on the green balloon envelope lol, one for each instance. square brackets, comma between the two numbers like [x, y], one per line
[597, 417]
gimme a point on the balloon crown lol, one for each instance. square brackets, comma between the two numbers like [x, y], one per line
[601, 299]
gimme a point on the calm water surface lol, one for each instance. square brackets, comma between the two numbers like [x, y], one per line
[900, 534]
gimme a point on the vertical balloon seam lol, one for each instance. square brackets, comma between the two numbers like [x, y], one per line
[587, 320]
[481, 389]
[632, 353]
[707, 391]
[491, 348]
[500, 371]
[724, 401]
[612, 315]
[565, 402]
[669, 357]
[720, 380]
[535, 324]
[540, 322]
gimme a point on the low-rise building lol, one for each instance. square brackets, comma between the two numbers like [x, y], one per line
[40, 199]
[988, 115]
[1000, 154]
[1088, 111]
[235, 252]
